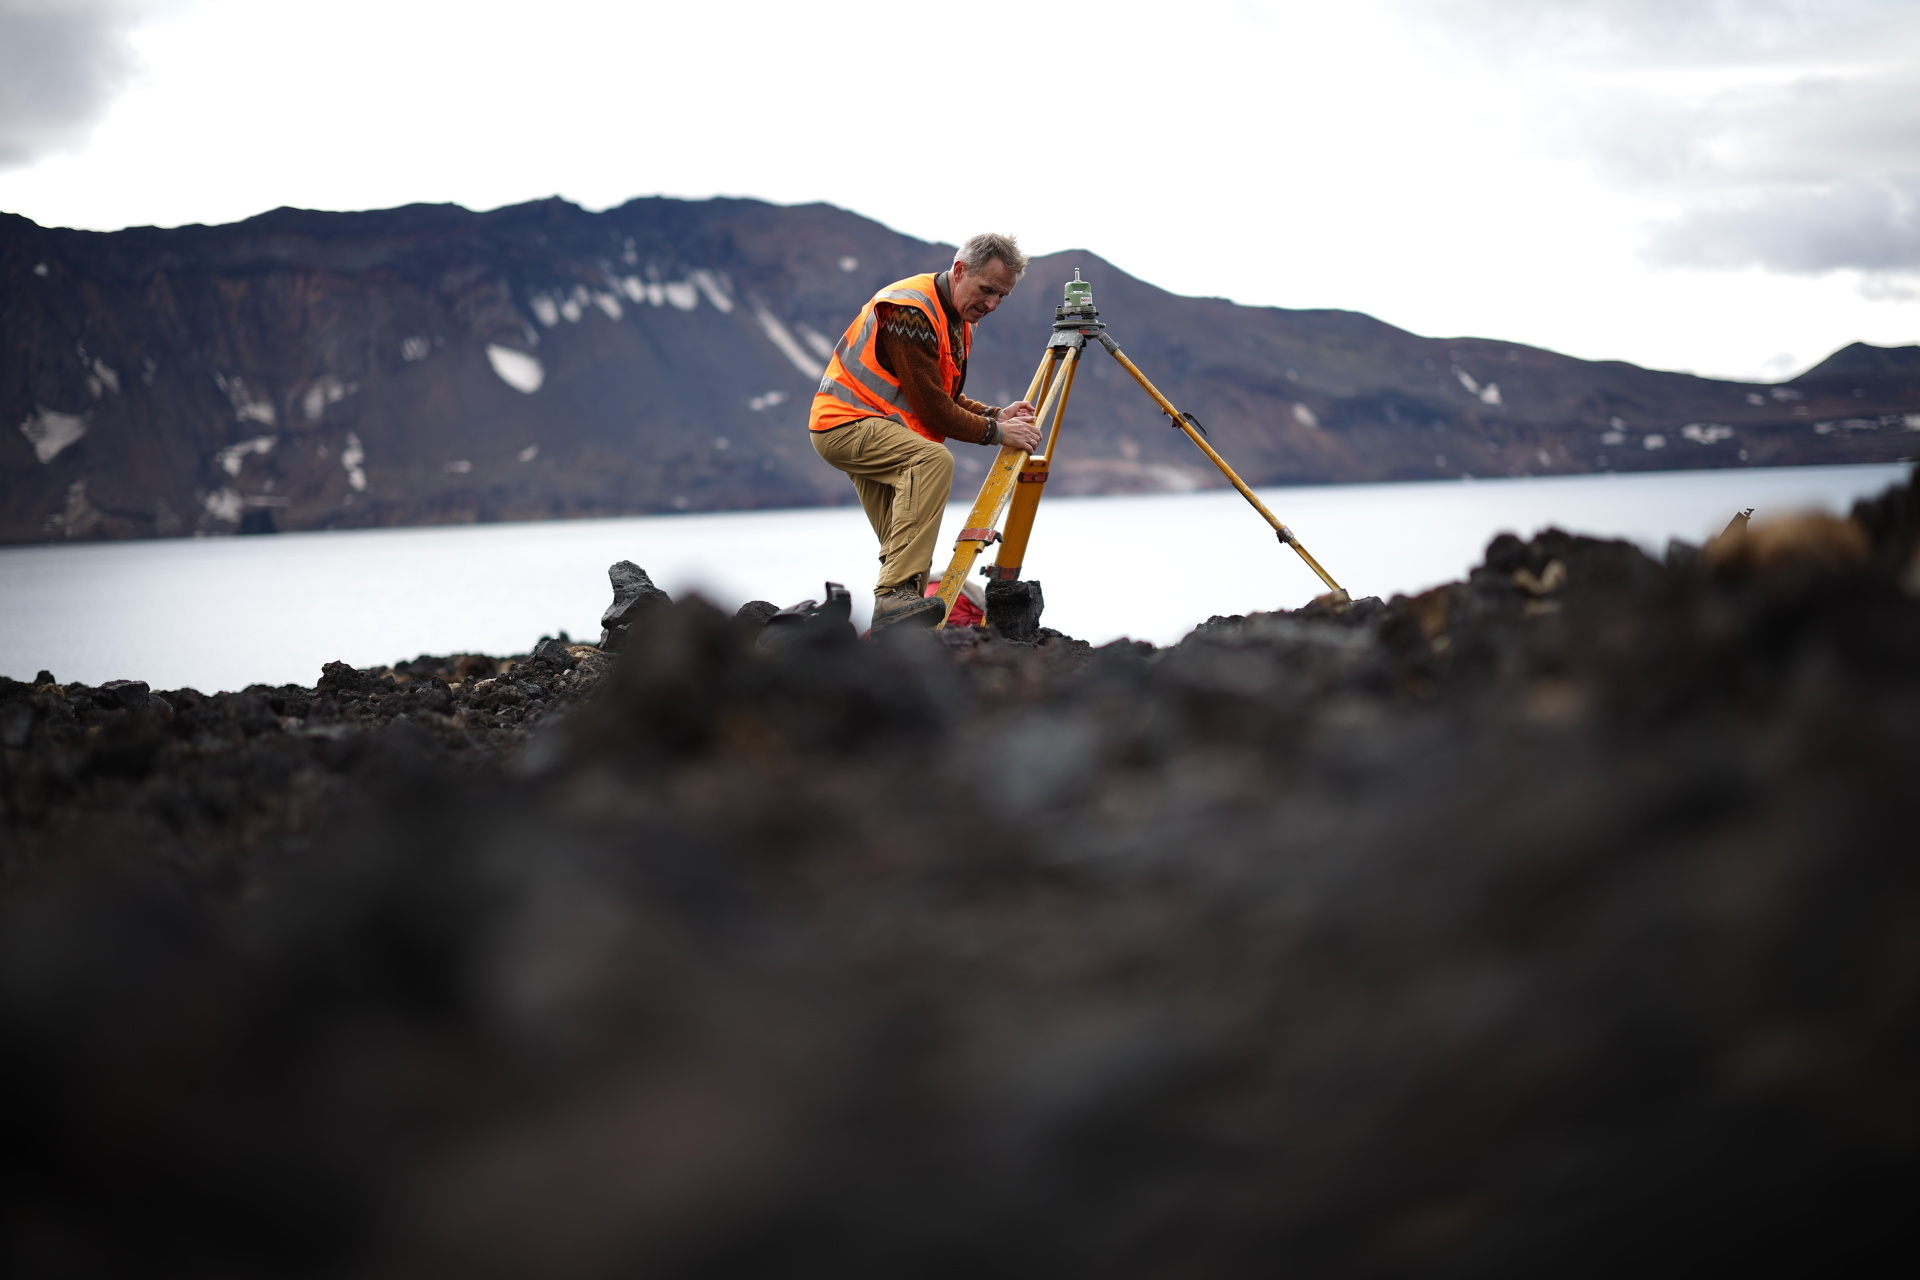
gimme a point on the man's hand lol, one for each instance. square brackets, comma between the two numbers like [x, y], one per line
[1017, 428]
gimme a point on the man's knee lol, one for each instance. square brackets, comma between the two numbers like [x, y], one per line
[936, 462]
[933, 480]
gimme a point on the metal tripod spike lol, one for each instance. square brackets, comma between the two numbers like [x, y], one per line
[1016, 479]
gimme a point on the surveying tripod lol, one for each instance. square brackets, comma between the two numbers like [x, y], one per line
[1017, 477]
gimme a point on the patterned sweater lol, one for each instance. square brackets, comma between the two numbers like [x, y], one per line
[910, 350]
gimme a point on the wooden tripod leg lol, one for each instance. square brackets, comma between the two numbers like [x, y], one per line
[1031, 485]
[1053, 432]
[1181, 421]
[994, 492]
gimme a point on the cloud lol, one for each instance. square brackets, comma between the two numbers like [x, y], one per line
[61, 63]
[1815, 175]
[1783, 134]
[1666, 33]
[1811, 130]
[1865, 223]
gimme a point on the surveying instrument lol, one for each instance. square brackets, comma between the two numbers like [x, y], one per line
[1016, 479]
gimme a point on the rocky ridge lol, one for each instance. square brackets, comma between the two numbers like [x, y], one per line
[1540, 923]
[430, 365]
[199, 781]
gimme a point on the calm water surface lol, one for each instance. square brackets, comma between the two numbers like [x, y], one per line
[222, 613]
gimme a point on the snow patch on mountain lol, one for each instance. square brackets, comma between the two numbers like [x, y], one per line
[49, 432]
[519, 370]
[789, 345]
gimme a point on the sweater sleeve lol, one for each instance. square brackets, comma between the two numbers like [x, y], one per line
[909, 351]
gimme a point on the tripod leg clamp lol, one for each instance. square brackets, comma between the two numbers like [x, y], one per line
[988, 536]
[1286, 536]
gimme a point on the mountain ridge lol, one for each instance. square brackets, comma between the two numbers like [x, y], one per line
[309, 369]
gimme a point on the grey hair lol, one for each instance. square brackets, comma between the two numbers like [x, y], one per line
[988, 245]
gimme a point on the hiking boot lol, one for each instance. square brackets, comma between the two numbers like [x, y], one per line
[905, 605]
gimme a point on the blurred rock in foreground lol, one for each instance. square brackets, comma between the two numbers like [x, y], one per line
[1558, 922]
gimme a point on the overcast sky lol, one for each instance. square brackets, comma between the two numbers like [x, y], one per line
[1725, 186]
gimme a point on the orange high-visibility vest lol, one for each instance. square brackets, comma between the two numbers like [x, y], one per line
[857, 385]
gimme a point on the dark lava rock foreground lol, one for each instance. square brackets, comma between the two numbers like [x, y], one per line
[1563, 921]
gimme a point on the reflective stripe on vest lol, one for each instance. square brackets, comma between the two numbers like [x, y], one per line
[856, 385]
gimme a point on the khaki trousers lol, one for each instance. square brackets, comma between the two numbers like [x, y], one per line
[903, 480]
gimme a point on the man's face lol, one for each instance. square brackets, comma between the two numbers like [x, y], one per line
[977, 293]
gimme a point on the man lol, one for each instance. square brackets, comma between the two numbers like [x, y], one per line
[891, 397]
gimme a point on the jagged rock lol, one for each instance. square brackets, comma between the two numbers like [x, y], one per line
[554, 654]
[823, 621]
[633, 594]
[1014, 607]
[338, 678]
[129, 695]
[752, 616]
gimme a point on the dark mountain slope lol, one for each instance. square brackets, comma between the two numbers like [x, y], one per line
[306, 370]
[1865, 360]
[1333, 395]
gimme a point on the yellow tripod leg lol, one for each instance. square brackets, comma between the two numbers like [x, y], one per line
[1031, 485]
[1180, 421]
[993, 497]
[1053, 431]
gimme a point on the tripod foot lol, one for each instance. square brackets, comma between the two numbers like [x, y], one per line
[1337, 600]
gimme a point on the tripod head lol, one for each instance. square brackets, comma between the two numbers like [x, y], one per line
[1077, 311]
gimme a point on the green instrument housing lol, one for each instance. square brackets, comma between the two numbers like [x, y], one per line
[1079, 300]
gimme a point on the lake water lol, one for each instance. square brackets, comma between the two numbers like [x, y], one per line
[222, 613]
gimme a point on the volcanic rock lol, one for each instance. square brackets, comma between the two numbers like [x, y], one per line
[752, 616]
[633, 594]
[338, 678]
[1013, 608]
[129, 695]
[554, 653]
[815, 621]
[1545, 922]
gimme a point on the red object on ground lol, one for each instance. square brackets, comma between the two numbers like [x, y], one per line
[965, 613]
